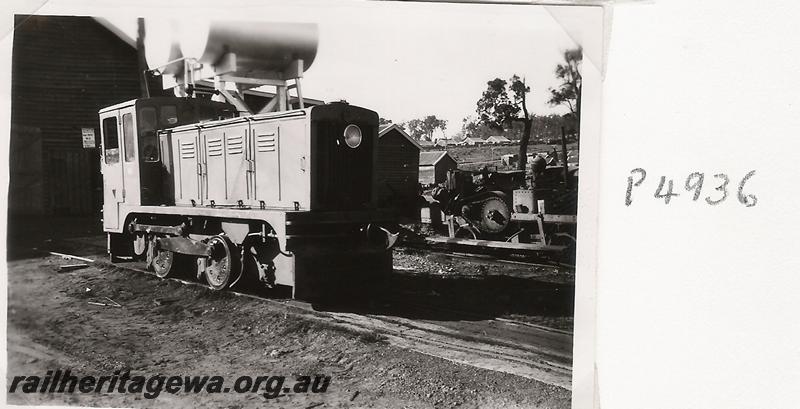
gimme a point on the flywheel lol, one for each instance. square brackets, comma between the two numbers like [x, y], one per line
[494, 215]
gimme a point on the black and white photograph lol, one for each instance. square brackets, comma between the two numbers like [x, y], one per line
[301, 205]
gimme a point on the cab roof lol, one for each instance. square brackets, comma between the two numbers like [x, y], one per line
[118, 106]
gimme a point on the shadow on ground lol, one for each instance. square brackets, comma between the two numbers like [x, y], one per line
[459, 298]
[29, 236]
[406, 294]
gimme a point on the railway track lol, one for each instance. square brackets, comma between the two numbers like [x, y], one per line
[532, 259]
[506, 345]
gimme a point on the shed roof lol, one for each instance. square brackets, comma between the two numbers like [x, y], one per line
[432, 158]
[383, 130]
[116, 31]
[498, 138]
[473, 139]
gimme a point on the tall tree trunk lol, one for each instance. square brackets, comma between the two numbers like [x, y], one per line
[523, 143]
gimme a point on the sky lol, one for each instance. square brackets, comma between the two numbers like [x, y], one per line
[408, 60]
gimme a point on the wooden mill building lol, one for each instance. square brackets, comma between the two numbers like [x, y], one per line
[397, 170]
[64, 69]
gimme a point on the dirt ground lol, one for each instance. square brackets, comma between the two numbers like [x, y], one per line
[165, 327]
[168, 328]
[535, 294]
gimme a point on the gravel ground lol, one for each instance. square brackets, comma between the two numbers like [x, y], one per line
[535, 294]
[426, 262]
[165, 327]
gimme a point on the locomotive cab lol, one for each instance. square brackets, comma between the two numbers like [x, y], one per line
[134, 163]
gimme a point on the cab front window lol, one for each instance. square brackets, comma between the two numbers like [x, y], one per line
[148, 141]
[169, 116]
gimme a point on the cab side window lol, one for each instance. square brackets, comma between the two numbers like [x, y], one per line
[128, 137]
[110, 140]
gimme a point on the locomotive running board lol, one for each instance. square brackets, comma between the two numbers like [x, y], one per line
[496, 244]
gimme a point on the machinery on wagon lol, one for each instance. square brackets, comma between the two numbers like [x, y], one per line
[508, 210]
[202, 182]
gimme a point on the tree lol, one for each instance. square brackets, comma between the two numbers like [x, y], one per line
[548, 127]
[569, 92]
[473, 127]
[470, 127]
[499, 110]
[422, 129]
[432, 123]
[415, 128]
[383, 121]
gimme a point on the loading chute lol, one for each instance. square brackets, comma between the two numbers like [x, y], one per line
[232, 55]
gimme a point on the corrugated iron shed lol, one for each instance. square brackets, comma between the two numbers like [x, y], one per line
[433, 167]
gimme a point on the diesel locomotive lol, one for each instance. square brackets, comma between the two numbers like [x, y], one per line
[283, 196]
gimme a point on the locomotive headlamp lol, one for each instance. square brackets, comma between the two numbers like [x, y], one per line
[352, 136]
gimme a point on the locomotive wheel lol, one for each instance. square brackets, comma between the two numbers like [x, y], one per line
[221, 263]
[163, 263]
